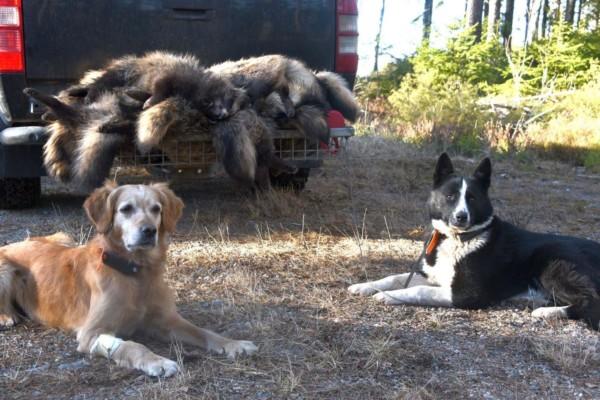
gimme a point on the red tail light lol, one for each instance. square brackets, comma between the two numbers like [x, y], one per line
[11, 36]
[346, 58]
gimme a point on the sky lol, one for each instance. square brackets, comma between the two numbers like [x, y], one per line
[403, 34]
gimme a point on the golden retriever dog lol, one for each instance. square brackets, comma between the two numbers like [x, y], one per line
[113, 286]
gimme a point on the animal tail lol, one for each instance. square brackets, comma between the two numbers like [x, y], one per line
[9, 284]
[235, 148]
[95, 154]
[312, 122]
[59, 151]
[338, 94]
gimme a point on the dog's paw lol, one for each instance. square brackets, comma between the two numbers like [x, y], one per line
[238, 347]
[161, 367]
[7, 321]
[385, 298]
[550, 312]
[363, 289]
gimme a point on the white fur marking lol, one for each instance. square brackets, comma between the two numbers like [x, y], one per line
[387, 283]
[550, 312]
[449, 253]
[106, 345]
[418, 295]
[462, 202]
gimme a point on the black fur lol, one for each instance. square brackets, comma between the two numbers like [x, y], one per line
[566, 269]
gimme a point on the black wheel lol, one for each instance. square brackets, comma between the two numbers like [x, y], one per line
[296, 181]
[19, 192]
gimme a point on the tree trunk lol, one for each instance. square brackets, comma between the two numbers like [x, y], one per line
[474, 14]
[378, 37]
[579, 7]
[427, 16]
[508, 22]
[540, 5]
[545, 10]
[570, 12]
[527, 18]
[493, 17]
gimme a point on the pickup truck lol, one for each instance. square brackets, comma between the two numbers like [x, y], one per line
[49, 44]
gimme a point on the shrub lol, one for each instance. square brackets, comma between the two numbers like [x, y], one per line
[571, 129]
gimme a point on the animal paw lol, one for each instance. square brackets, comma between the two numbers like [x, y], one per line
[385, 298]
[7, 321]
[363, 289]
[238, 347]
[549, 312]
[161, 367]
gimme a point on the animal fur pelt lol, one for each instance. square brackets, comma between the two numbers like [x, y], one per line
[84, 138]
[279, 86]
[165, 75]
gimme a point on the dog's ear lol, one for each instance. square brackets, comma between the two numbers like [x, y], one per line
[99, 207]
[443, 169]
[172, 207]
[483, 172]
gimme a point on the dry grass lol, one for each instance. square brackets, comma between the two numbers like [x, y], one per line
[276, 270]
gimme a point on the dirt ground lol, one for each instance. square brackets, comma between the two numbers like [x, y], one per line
[275, 271]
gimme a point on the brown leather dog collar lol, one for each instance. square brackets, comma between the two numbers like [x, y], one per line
[118, 263]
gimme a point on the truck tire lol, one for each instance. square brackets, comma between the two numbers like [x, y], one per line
[19, 192]
[296, 181]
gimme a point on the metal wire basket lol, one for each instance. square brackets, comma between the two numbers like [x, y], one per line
[196, 153]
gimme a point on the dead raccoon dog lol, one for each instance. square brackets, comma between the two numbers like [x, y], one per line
[165, 75]
[214, 96]
[282, 81]
[84, 138]
[244, 145]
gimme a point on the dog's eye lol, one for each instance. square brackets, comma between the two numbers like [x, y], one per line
[126, 209]
[155, 209]
[470, 198]
[450, 197]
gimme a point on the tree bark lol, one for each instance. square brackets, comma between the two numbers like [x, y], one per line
[493, 17]
[474, 14]
[378, 37]
[427, 17]
[509, 11]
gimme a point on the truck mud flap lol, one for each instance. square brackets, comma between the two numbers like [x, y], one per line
[21, 161]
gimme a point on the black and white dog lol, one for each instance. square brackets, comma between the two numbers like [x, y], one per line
[474, 259]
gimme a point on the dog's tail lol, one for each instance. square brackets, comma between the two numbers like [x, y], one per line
[94, 157]
[312, 122]
[338, 94]
[235, 148]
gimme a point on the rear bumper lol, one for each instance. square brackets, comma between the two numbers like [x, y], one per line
[21, 152]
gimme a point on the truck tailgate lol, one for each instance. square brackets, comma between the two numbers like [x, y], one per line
[64, 38]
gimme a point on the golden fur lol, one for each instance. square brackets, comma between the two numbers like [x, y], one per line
[61, 285]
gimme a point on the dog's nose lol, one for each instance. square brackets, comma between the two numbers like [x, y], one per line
[148, 231]
[461, 218]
